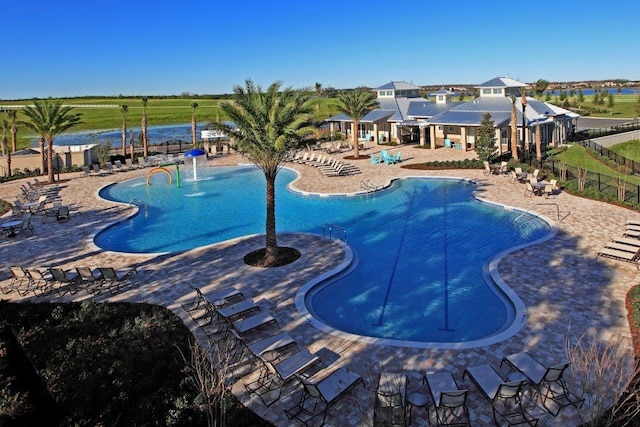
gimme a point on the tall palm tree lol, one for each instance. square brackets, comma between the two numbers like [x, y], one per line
[538, 142]
[13, 114]
[194, 140]
[356, 104]
[124, 110]
[523, 100]
[5, 145]
[514, 129]
[266, 125]
[49, 119]
[145, 140]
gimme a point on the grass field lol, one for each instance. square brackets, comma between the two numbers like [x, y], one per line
[577, 156]
[164, 111]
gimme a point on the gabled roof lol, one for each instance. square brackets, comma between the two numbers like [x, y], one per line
[502, 82]
[442, 91]
[470, 113]
[398, 86]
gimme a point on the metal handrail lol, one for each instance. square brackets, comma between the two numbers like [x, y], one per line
[540, 204]
[329, 229]
[369, 186]
[138, 202]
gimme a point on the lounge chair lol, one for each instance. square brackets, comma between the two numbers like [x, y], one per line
[633, 222]
[66, 280]
[390, 400]
[375, 160]
[26, 228]
[41, 280]
[113, 279]
[549, 191]
[20, 281]
[235, 311]
[273, 376]
[321, 392]
[92, 279]
[505, 396]
[257, 321]
[279, 343]
[627, 241]
[619, 254]
[547, 381]
[62, 213]
[631, 233]
[450, 402]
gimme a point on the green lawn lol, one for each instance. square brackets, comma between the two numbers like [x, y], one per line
[629, 149]
[160, 111]
[577, 156]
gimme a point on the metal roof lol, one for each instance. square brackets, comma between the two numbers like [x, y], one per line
[398, 86]
[442, 91]
[428, 108]
[502, 82]
[377, 115]
[472, 118]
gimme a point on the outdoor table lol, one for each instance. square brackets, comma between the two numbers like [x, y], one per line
[10, 226]
[495, 169]
[27, 207]
[538, 187]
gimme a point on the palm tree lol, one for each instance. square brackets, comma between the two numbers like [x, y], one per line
[538, 143]
[13, 114]
[5, 145]
[194, 140]
[124, 109]
[356, 104]
[145, 141]
[523, 100]
[266, 125]
[540, 86]
[49, 119]
[514, 129]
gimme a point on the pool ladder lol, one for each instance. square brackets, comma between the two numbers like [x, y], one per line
[329, 230]
[368, 186]
[138, 203]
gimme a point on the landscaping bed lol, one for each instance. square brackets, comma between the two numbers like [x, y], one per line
[107, 364]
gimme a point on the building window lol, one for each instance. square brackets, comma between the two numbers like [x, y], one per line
[486, 91]
[389, 93]
[381, 93]
[451, 128]
[497, 91]
[440, 97]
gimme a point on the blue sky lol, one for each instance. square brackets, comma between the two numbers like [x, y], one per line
[166, 47]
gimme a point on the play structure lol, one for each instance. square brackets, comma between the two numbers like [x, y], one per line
[163, 169]
[196, 158]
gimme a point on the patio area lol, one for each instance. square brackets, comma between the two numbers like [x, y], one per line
[566, 290]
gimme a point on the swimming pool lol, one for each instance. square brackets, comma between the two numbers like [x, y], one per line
[421, 247]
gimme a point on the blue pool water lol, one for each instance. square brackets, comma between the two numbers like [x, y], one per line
[421, 246]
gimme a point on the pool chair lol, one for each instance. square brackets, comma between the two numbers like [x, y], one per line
[41, 280]
[62, 213]
[274, 373]
[546, 381]
[390, 400]
[66, 281]
[506, 397]
[91, 279]
[320, 392]
[632, 233]
[20, 281]
[450, 402]
[633, 222]
[235, 311]
[114, 279]
[257, 321]
[375, 160]
[620, 255]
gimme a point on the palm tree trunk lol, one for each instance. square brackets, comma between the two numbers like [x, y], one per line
[356, 147]
[145, 147]
[42, 165]
[14, 133]
[50, 155]
[271, 253]
[538, 142]
[124, 136]
[514, 133]
[194, 129]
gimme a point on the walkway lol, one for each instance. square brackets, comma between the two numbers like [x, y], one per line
[561, 282]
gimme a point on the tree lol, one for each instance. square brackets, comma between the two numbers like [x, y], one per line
[124, 109]
[5, 145]
[486, 142]
[13, 114]
[266, 125]
[145, 140]
[49, 119]
[538, 142]
[610, 101]
[319, 90]
[194, 126]
[356, 104]
[514, 129]
[540, 86]
[523, 100]
[580, 96]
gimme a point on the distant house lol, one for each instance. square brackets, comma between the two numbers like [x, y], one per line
[404, 116]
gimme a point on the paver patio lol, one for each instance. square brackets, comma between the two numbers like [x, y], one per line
[565, 288]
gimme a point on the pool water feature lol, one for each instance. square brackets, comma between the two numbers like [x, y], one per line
[421, 246]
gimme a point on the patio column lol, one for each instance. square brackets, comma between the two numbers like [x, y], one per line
[375, 132]
[463, 137]
[432, 131]
[423, 136]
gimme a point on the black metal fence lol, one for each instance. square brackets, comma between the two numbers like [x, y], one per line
[606, 131]
[634, 167]
[594, 183]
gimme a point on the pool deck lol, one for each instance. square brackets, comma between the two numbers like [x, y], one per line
[566, 290]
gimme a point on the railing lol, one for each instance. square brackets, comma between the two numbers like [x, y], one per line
[369, 186]
[138, 203]
[329, 230]
[540, 204]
